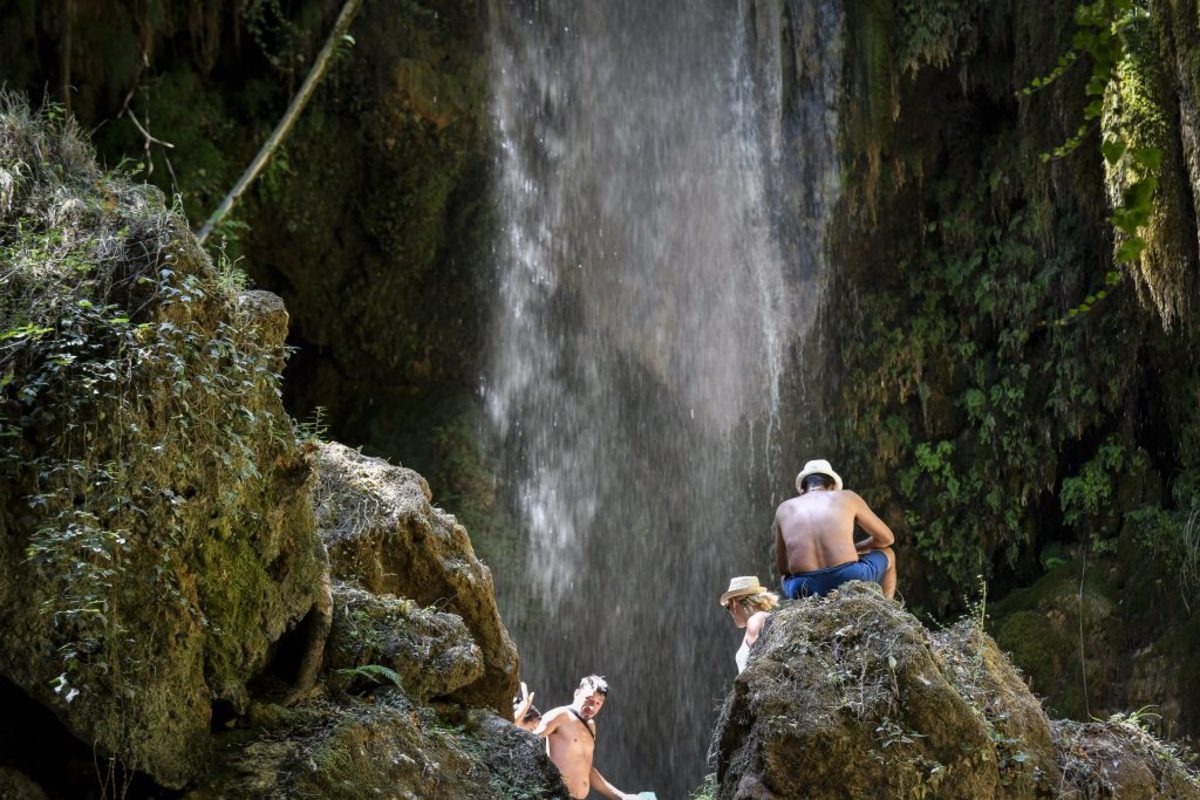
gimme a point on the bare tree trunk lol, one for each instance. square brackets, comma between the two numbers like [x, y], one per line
[285, 125]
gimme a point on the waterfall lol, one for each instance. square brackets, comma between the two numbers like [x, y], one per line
[665, 172]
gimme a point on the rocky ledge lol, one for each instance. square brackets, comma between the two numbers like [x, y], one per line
[851, 696]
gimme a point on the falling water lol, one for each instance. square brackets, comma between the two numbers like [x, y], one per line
[665, 173]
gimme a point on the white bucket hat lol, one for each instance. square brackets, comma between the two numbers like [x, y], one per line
[818, 467]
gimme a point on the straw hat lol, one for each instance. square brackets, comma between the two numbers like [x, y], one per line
[818, 467]
[742, 586]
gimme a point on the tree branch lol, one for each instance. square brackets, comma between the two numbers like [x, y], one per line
[285, 125]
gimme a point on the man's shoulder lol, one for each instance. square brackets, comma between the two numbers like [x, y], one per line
[566, 713]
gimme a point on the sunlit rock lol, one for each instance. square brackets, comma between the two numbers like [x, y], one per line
[387, 747]
[382, 532]
[851, 696]
[156, 535]
[430, 652]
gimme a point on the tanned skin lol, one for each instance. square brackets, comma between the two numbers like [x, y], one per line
[747, 617]
[815, 530]
[571, 743]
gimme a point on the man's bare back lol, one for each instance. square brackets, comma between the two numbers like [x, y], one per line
[815, 531]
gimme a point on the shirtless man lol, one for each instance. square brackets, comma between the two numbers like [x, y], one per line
[570, 733]
[815, 549]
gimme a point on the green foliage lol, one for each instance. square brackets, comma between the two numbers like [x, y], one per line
[968, 378]
[131, 381]
[374, 673]
[891, 733]
[707, 790]
[1171, 538]
[1100, 36]
[315, 429]
[1088, 497]
[932, 32]
[963, 395]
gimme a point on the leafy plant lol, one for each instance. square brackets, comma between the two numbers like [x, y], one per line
[130, 382]
[375, 673]
[314, 429]
[1099, 35]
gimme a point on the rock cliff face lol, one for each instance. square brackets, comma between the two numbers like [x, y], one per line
[851, 696]
[371, 223]
[163, 566]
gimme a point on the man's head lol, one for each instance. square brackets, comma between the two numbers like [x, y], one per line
[817, 474]
[590, 696]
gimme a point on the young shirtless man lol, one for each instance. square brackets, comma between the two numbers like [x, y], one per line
[570, 733]
[815, 549]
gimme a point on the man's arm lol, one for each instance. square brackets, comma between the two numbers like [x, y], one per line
[881, 535]
[550, 722]
[754, 627]
[607, 789]
[781, 559]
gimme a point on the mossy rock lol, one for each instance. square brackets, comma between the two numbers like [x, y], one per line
[156, 535]
[1039, 645]
[387, 747]
[1119, 759]
[383, 533]
[430, 652]
[981, 672]
[850, 696]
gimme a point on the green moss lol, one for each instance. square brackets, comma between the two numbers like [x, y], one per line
[232, 586]
[159, 484]
[870, 117]
[1036, 645]
[1142, 111]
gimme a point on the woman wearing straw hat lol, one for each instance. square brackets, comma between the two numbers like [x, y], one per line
[748, 601]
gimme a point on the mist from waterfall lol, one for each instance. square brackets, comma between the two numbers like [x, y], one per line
[665, 172]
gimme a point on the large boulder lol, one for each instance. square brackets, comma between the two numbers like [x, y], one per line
[848, 697]
[383, 533]
[851, 696]
[387, 747]
[1119, 758]
[156, 536]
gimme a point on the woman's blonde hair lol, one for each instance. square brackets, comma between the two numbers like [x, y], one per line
[760, 601]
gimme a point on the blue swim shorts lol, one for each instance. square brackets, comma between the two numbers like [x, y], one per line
[871, 566]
